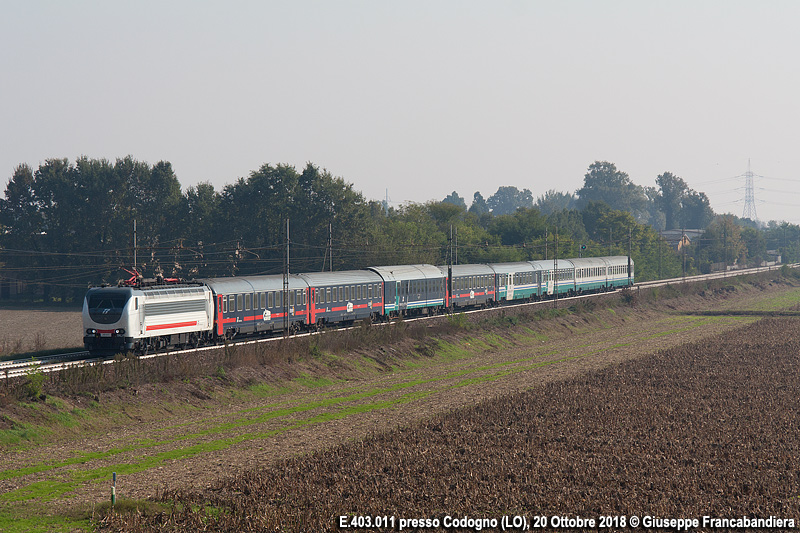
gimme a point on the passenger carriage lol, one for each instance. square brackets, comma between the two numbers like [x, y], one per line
[412, 289]
[591, 274]
[471, 285]
[516, 281]
[343, 297]
[618, 271]
[557, 276]
[255, 304]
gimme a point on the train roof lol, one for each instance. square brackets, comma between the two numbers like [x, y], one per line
[242, 284]
[345, 277]
[549, 264]
[406, 272]
[591, 262]
[469, 270]
[618, 260]
[508, 268]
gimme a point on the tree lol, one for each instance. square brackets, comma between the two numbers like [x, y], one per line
[604, 183]
[508, 199]
[720, 244]
[455, 199]
[591, 215]
[478, 206]
[672, 193]
[523, 226]
[553, 201]
[696, 211]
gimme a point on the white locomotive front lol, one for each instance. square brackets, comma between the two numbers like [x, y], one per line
[139, 319]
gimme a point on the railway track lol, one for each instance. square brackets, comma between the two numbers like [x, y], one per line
[58, 362]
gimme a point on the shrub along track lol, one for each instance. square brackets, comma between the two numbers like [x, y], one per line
[164, 438]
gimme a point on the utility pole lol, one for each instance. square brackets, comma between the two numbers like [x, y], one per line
[450, 270]
[783, 255]
[134, 244]
[456, 248]
[286, 286]
[545, 243]
[629, 256]
[683, 252]
[328, 250]
[725, 247]
[659, 257]
[555, 274]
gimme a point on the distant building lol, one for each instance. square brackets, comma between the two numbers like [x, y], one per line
[679, 238]
[11, 288]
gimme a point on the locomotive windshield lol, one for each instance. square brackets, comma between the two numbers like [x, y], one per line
[105, 305]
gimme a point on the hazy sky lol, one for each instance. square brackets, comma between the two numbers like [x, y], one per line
[422, 98]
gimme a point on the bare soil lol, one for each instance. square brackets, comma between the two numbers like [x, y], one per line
[25, 330]
[701, 429]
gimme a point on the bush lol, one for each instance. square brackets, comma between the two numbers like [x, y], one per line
[34, 383]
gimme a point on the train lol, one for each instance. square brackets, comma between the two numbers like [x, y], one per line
[139, 317]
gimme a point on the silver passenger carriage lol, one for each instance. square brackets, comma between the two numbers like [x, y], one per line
[516, 281]
[412, 289]
[342, 297]
[557, 276]
[256, 304]
[471, 285]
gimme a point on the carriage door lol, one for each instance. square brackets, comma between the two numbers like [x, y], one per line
[510, 286]
[138, 306]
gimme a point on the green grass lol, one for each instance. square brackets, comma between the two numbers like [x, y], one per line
[22, 435]
[26, 520]
[781, 300]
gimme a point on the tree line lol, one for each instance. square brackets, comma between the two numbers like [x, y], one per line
[65, 226]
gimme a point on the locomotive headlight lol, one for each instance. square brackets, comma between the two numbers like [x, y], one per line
[119, 331]
[91, 331]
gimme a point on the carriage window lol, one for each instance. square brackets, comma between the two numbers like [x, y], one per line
[246, 302]
[224, 304]
[271, 300]
[278, 299]
[240, 302]
[291, 297]
[359, 292]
